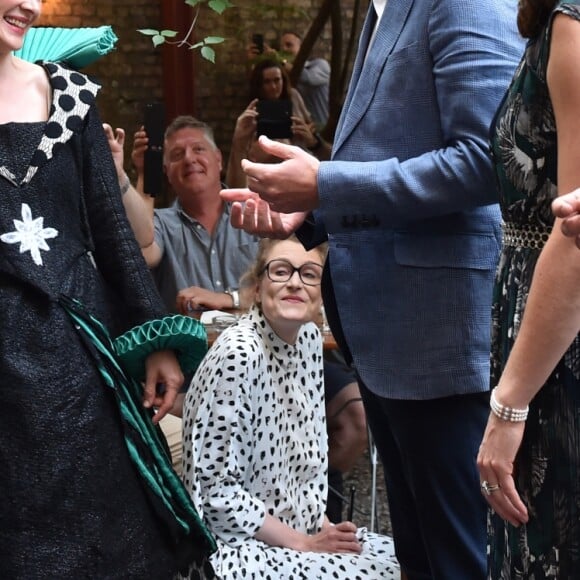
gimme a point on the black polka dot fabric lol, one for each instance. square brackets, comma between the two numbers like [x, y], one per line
[255, 442]
[73, 95]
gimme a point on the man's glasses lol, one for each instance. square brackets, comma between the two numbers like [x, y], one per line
[282, 270]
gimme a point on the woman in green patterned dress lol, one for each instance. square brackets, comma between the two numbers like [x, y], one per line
[529, 461]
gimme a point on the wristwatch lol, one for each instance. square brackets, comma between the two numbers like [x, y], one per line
[235, 297]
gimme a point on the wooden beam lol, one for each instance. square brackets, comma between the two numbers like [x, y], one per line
[178, 69]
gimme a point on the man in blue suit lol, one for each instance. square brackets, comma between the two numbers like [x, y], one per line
[408, 206]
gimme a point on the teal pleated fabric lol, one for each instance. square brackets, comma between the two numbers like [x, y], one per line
[192, 542]
[182, 334]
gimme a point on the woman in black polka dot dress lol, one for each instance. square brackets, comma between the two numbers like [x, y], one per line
[255, 441]
[73, 503]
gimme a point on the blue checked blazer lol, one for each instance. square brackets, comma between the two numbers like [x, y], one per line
[409, 203]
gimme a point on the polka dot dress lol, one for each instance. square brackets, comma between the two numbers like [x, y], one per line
[255, 443]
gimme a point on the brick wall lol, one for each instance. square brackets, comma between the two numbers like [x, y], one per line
[132, 75]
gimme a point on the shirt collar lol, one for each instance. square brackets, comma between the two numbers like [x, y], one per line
[379, 7]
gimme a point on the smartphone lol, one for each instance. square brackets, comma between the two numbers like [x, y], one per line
[154, 123]
[274, 118]
[258, 40]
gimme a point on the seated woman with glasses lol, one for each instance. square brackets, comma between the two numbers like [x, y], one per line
[255, 443]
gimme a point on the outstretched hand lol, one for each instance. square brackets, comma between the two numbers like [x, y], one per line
[255, 216]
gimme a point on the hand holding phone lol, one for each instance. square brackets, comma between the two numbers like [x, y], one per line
[258, 41]
[274, 118]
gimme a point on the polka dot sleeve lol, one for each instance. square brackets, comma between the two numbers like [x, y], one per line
[222, 443]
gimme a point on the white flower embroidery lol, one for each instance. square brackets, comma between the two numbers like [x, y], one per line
[31, 234]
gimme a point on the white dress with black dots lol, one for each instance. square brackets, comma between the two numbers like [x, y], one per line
[255, 442]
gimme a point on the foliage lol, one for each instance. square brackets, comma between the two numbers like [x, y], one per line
[159, 37]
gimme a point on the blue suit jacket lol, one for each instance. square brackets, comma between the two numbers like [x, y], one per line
[409, 201]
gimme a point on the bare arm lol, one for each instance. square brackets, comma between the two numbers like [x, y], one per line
[152, 252]
[244, 134]
[552, 314]
[139, 207]
[140, 143]
[196, 298]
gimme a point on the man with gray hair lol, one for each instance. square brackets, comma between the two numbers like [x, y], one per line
[192, 240]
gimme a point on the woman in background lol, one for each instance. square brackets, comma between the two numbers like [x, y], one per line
[529, 459]
[255, 443]
[270, 81]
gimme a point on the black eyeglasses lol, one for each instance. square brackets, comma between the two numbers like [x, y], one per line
[282, 270]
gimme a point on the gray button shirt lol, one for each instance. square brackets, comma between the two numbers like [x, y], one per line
[192, 257]
[313, 86]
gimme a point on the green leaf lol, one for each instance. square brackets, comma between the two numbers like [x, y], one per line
[194, 2]
[213, 40]
[219, 5]
[158, 39]
[168, 33]
[148, 31]
[208, 53]
[196, 45]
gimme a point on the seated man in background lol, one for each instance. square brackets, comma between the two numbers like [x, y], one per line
[197, 258]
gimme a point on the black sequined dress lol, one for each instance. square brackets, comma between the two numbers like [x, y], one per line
[72, 504]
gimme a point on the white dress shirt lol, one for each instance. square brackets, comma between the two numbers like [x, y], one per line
[379, 6]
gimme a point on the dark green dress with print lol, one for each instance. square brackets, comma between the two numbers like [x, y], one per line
[548, 463]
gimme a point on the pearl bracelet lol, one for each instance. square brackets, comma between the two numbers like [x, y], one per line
[507, 413]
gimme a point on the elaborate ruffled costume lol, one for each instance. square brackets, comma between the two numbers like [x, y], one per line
[75, 499]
